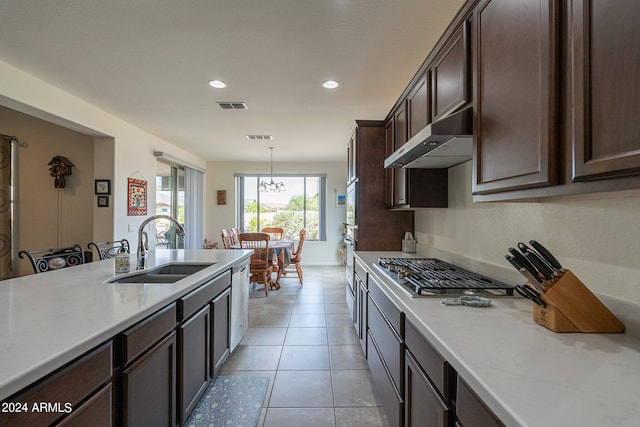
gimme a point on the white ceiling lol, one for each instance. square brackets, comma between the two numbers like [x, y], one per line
[149, 62]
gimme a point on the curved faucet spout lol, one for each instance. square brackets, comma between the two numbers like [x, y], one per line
[143, 244]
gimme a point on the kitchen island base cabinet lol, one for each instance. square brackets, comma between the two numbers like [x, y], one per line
[148, 377]
[203, 340]
[220, 330]
[149, 387]
[82, 390]
[95, 412]
[194, 361]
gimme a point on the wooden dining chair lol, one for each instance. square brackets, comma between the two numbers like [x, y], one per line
[261, 265]
[235, 236]
[227, 238]
[296, 257]
[44, 260]
[110, 249]
[276, 233]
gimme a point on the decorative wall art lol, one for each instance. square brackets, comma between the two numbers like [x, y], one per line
[59, 167]
[102, 186]
[221, 197]
[136, 197]
[103, 201]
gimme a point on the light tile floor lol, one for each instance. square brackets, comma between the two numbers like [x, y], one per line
[304, 340]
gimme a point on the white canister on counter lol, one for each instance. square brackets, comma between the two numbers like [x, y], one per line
[123, 263]
[408, 243]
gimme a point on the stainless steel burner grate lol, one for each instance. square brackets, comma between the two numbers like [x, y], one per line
[431, 276]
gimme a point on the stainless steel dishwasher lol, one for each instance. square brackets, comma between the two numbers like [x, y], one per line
[239, 303]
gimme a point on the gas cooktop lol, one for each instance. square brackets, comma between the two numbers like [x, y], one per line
[433, 277]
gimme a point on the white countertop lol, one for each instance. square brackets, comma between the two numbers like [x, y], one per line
[48, 319]
[526, 374]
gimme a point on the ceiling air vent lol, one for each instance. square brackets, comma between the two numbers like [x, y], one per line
[259, 137]
[232, 105]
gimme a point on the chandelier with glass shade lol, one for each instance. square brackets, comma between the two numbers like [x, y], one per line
[271, 186]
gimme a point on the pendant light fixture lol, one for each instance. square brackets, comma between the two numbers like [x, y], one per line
[271, 186]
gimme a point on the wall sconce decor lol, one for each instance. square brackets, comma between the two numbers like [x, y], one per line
[59, 167]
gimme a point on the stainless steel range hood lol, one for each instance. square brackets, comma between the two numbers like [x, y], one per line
[440, 145]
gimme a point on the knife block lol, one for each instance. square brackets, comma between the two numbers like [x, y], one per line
[572, 307]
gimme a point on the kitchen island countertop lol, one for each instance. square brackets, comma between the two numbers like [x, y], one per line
[526, 374]
[47, 320]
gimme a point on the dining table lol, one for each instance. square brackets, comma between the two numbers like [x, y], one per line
[282, 250]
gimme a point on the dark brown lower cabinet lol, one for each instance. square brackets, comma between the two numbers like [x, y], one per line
[81, 389]
[95, 412]
[385, 348]
[149, 387]
[386, 390]
[194, 361]
[423, 406]
[220, 307]
[471, 411]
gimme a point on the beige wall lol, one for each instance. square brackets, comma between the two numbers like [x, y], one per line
[48, 217]
[596, 236]
[122, 150]
[221, 176]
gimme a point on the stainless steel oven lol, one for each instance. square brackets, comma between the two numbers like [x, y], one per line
[352, 211]
[350, 239]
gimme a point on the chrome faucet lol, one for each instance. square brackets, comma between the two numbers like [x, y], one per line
[143, 245]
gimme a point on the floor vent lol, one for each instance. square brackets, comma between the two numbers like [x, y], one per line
[233, 105]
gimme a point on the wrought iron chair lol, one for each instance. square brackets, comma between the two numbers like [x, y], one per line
[109, 249]
[54, 259]
[261, 266]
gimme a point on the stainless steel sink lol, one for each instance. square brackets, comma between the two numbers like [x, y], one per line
[168, 273]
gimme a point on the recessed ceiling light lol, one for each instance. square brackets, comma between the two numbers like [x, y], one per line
[218, 84]
[330, 84]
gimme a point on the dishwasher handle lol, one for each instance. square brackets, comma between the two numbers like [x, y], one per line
[239, 268]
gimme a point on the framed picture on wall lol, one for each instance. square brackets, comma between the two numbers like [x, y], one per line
[103, 201]
[103, 186]
[137, 197]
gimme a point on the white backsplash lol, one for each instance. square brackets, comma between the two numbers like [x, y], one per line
[596, 236]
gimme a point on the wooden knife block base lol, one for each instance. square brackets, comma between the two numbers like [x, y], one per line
[572, 307]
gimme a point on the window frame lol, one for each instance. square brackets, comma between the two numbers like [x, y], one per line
[322, 200]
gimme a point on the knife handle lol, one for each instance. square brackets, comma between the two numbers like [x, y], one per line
[539, 264]
[524, 248]
[525, 263]
[536, 283]
[544, 252]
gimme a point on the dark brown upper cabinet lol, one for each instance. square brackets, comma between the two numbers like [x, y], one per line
[450, 77]
[418, 107]
[400, 131]
[388, 172]
[399, 139]
[407, 189]
[515, 94]
[605, 65]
